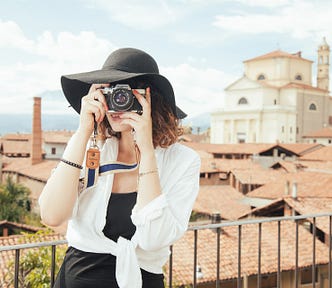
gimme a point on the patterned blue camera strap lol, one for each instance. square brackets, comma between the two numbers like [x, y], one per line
[91, 175]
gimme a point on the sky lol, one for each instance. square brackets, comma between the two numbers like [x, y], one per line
[199, 45]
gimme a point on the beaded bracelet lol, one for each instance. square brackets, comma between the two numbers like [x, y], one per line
[148, 172]
[72, 163]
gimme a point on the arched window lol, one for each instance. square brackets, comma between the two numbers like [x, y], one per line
[313, 107]
[298, 77]
[261, 77]
[243, 101]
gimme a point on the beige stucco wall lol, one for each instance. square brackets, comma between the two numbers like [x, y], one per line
[279, 71]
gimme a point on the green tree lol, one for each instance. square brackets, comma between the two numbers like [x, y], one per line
[15, 204]
[35, 264]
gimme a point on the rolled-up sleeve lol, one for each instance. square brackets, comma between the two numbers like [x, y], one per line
[165, 219]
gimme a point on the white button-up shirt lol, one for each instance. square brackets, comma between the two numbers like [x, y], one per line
[158, 225]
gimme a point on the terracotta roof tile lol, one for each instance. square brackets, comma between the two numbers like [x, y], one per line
[312, 205]
[14, 147]
[325, 132]
[61, 137]
[183, 252]
[220, 198]
[301, 148]
[277, 54]
[242, 148]
[302, 86]
[257, 177]
[323, 154]
[316, 166]
[288, 166]
[226, 165]
[21, 143]
[309, 184]
[40, 171]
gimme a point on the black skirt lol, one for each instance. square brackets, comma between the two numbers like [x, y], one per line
[82, 269]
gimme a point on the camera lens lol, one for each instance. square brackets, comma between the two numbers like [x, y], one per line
[122, 99]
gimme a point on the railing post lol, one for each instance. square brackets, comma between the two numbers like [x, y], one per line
[53, 265]
[297, 254]
[170, 275]
[195, 258]
[259, 254]
[313, 272]
[279, 256]
[239, 258]
[17, 267]
[330, 248]
[218, 258]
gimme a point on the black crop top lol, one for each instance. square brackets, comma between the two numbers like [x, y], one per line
[85, 269]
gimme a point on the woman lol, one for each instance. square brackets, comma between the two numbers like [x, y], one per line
[137, 198]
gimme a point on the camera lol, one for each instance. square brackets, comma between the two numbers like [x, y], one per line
[120, 98]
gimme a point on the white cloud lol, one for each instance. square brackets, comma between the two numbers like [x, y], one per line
[297, 18]
[139, 14]
[197, 90]
[59, 54]
[263, 3]
[11, 35]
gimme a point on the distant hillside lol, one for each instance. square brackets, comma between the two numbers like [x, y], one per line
[22, 123]
[10, 123]
[55, 101]
[199, 123]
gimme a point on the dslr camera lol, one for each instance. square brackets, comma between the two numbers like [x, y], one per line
[120, 98]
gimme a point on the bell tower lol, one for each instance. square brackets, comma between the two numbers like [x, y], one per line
[323, 66]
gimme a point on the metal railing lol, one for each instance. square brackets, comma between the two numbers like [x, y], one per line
[216, 227]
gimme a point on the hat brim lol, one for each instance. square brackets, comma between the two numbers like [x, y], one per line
[75, 86]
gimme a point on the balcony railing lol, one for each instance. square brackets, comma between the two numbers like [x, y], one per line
[218, 227]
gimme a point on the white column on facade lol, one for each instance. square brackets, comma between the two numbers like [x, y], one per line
[232, 131]
[258, 136]
[248, 135]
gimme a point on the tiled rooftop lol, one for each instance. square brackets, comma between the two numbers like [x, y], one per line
[325, 132]
[243, 148]
[323, 154]
[257, 176]
[309, 184]
[220, 198]
[277, 54]
[40, 171]
[211, 165]
[183, 252]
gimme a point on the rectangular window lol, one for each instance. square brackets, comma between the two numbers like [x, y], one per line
[306, 276]
[241, 137]
[53, 150]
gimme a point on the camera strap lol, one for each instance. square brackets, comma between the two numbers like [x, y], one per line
[92, 158]
[93, 167]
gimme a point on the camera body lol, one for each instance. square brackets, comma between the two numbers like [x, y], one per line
[120, 98]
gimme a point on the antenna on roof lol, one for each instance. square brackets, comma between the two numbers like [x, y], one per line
[278, 46]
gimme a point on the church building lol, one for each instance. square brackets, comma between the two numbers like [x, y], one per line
[275, 100]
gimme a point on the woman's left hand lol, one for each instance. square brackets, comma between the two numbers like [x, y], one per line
[142, 124]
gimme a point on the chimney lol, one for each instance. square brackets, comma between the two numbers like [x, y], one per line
[294, 190]
[36, 149]
[287, 188]
[215, 218]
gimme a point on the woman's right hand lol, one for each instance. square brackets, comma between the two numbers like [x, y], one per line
[93, 108]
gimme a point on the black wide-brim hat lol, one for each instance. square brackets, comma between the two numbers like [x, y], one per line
[122, 64]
